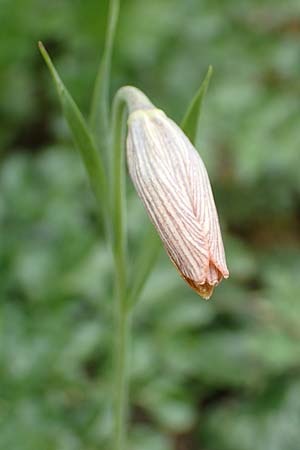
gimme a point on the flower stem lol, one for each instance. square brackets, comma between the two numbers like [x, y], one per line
[121, 375]
[126, 98]
[120, 258]
[118, 187]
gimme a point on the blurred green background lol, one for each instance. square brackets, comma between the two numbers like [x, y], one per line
[217, 375]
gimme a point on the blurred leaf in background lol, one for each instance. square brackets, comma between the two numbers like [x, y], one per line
[218, 375]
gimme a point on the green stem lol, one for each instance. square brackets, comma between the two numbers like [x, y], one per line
[120, 250]
[99, 116]
[118, 191]
[121, 386]
[130, 98]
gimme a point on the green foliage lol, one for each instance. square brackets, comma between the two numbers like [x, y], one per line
[82, 137]
[190, 122]
[219, 375]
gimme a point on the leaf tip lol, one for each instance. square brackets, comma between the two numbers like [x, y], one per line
[42, 49]
[51, 67]
[207, 78]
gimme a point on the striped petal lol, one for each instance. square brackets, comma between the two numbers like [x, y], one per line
[171, 180]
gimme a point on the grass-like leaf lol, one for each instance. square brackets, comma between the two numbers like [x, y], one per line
[191, 119]
[99, 116]
[81, 135]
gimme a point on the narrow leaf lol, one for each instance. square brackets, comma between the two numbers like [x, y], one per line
[81, 135]
[191, 119]
[99, 115]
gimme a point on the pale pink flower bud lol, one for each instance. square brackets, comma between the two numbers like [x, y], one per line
[171, 180]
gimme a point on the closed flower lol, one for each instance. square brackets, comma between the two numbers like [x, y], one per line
[171, 180]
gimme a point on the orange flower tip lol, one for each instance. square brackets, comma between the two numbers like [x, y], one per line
[205, 289]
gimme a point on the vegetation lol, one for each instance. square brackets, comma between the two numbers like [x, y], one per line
[217, 375]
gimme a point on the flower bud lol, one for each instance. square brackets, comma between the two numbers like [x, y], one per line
[171, 180]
